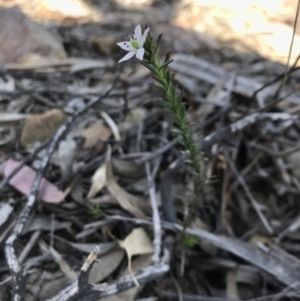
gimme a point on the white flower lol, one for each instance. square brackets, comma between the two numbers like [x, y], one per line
[135, 45]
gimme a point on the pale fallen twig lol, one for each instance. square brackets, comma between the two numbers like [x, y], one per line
[14, 266]
[82, 290]
[156, 217]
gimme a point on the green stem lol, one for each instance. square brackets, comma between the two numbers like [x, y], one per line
[174, 102]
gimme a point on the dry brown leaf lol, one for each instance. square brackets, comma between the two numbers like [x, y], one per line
[126, 200]
[138, 264]
[106, 265]
[128, 168]
[136, 243]
[40, 127]
[94, 136]
[98, 181]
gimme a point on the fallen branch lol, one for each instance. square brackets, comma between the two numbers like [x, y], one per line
[274, 261]
[10, 253]
[82, 290]
[225, 133]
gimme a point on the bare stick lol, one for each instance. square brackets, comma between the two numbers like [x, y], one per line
[158, 152]
[156, 217]
[281, 266]
[33, 239]
[225, 133]
[10, 253]
[82, 290]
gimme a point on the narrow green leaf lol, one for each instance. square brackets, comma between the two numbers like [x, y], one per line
[168, 77]
[176, 119]
[160, 88]
[164, 104]
[165, 65]
[172, 92]
[150, 67]
[178, 131]
[162, 82]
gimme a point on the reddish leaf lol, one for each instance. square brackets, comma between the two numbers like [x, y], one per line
[24, 179]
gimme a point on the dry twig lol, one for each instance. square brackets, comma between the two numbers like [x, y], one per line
[82, 290]
[156, 217]
[11, 257]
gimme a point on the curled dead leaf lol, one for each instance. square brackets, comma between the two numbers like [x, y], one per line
[126, 200]
[106, 265]
[98, 181]
[114, 128]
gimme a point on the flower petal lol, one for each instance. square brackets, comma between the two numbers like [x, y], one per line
[126, 46]
[138, 33]
[128, 56]
[145, 36]
[140, 53]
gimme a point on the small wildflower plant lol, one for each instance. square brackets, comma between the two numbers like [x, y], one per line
[145, 49]
[135, 46]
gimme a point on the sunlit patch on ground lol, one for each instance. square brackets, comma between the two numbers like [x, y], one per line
[262, 26]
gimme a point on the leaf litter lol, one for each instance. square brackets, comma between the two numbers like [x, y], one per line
[251, 145]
